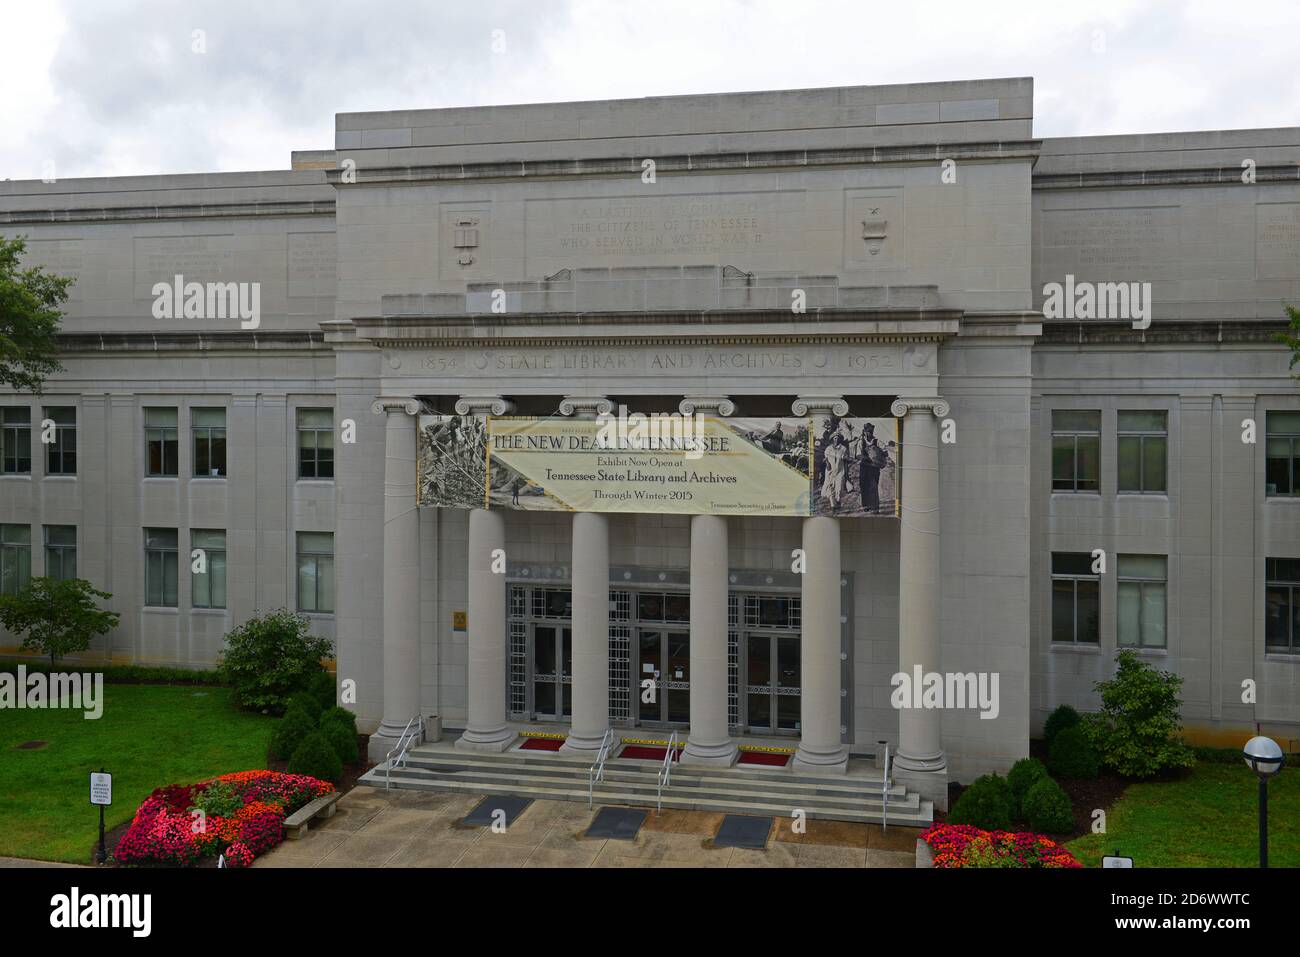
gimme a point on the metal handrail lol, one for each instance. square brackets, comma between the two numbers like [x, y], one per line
[666, 771]
[597, 772]
[403, 746]
[884, 794]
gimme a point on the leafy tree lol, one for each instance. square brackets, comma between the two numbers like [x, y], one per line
[59, 616]
[1136, 732]
[1291, 339]
[29, 319]
[269, 659]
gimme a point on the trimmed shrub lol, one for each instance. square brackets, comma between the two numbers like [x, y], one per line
[986, 804]
[1060, 719]
[1072, 754]
[342, 716]
[289, 733]
[341, 739]
[305, 703]
[316, 758]
[323, 689]
[1047, 808]
[1024, 774]
[1136, 732]
[270, 658]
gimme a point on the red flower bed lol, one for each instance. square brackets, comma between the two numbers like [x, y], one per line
[961, 845]
[168, 829]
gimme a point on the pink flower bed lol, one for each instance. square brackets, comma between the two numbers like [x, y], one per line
[961, 845]
[167, 830]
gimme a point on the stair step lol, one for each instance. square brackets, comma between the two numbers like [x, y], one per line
[917, 816]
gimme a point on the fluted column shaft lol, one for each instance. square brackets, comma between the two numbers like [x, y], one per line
[709, 741]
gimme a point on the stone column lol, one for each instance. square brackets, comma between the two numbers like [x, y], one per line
[709, 741]
[486, 728]
[821, 747]
[590, 591]
[401, 574]
[920, 761]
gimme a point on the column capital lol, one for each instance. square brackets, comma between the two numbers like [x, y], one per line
[820, 405]
[396, 403]
[586, 406]
[483, 405]
[706, 405]
[905, 405]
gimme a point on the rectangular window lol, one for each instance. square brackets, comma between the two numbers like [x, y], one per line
[1282, 454]
[1143, 451]
[316, 443]
[160, 567]
[208, 570]
[1282, 605]
[316, 572]
[209, 428]
[15, 558]
[61, 454]
[61, 551]
[1076, 451]
[1140, 605]
[15, 440]
[1076, 599]
[160, 441]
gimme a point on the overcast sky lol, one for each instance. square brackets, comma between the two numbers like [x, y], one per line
[110, 87]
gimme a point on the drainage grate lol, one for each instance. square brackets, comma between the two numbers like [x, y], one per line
[617, 823]
[485, 814]
[741, 830]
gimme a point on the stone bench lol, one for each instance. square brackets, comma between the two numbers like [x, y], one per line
[295, 825]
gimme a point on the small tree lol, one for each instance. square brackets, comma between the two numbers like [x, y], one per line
[1136, 732]
[30, 301]
[57, 616]
[1291, 338]
[270, 658]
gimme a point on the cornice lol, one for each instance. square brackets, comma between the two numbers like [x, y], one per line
[110, 214]
[1136, 179]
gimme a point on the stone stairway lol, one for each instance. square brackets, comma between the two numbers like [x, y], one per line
[741, 789]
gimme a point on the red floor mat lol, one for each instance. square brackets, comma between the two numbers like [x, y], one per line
[768, 758]
[542, 744]
[643, 752]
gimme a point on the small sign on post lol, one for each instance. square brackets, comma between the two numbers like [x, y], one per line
[1116, 861]
[101, 795]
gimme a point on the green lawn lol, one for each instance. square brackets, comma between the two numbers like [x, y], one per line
[148, 736]
[1208, 819]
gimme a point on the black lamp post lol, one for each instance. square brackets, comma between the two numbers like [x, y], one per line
[1264, 757]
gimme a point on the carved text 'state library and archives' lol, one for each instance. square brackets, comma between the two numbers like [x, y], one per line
[698, 415]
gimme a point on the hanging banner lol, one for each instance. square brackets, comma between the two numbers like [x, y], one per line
[817, 465]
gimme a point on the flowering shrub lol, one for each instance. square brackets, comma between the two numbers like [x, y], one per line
[176, 824]
[961, 845]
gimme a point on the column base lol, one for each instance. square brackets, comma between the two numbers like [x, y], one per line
[821, 762]
[489, 741]
[385, 739]
[585, 746]
[722, 755]
[928, 777]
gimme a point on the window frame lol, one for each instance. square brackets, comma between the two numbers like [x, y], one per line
[1074, 434]
[11, 553]
[208, 434]
[163, 441]
[1142, 436]
[1075, 578]
[314, 431]
[1291, 438]
[161, 553]
[211, 554]
[1143, 583]
[58, 553]
[64, 436]
[11, 435]
[316, 557]
[1274, 580]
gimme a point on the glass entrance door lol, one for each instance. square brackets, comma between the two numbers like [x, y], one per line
[774, 677]
[664, 657]
[552, 672]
